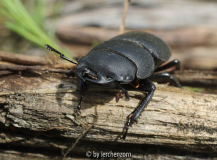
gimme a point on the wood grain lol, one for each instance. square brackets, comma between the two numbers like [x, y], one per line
[38, 108]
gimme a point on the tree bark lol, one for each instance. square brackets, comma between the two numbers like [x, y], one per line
[38, 110]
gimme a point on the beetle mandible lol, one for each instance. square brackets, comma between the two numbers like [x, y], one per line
[130, 58]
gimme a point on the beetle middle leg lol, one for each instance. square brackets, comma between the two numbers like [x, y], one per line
[147, 86]
[125, 92]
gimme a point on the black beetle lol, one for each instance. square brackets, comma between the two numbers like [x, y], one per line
[129, 58]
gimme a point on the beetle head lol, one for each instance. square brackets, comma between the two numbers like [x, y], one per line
[105, 68]
[88, 75]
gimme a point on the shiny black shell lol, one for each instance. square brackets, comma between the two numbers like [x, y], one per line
[139, 53]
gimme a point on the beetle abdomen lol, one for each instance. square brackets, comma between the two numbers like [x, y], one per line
[141, 58]
[157, 47]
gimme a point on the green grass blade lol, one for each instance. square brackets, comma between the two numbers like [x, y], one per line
[30, 27]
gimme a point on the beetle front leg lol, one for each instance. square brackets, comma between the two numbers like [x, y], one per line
[80, 85]
[82, 88]
[79, 103]
[147, 86]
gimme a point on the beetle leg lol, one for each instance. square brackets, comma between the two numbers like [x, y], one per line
[79, 103]
[147, 86]
[174, 63]
[80, 85]
[165, 77]
[81, 88]
[125, 92]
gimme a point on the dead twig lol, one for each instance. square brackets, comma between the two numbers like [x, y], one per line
[122, 26]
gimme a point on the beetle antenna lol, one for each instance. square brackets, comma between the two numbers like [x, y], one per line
[61, 55]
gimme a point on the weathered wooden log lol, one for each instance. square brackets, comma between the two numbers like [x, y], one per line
[37, 110]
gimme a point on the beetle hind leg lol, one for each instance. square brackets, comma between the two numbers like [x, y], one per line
[165, 77]
[147, 86]
[174, 63]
